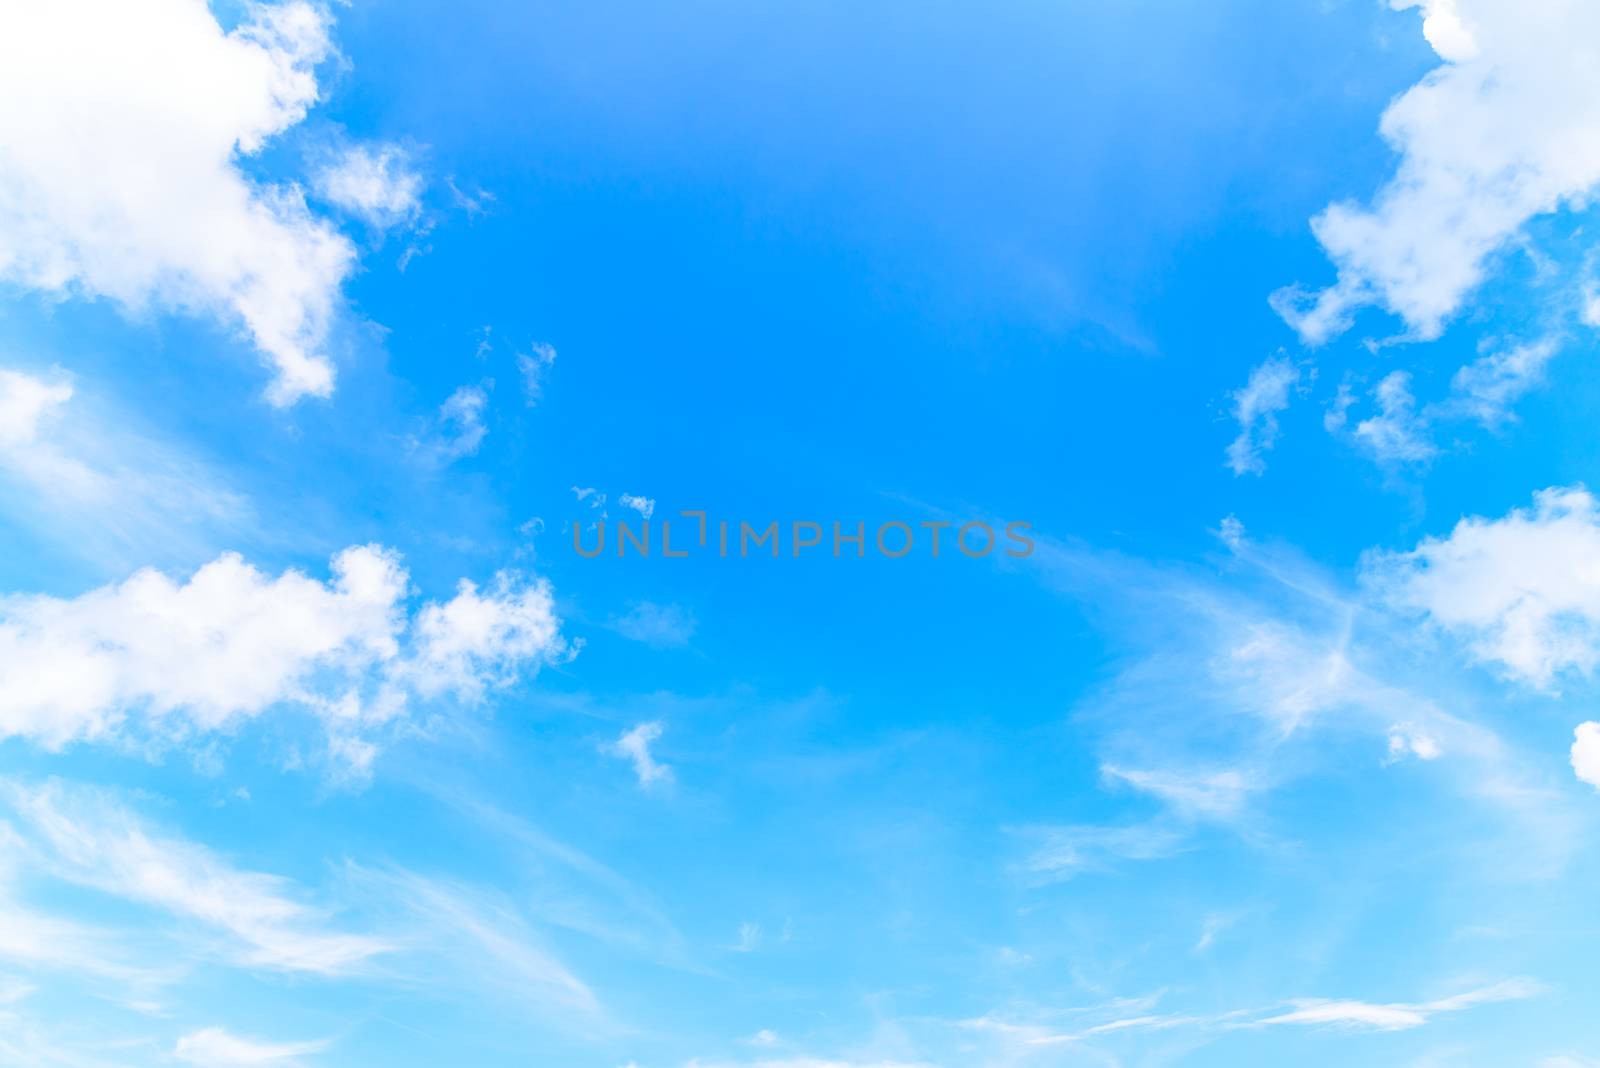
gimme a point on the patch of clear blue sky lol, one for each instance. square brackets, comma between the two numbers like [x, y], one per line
[827, 262]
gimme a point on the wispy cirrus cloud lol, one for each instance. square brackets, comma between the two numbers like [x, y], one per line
[474, 939]
[1324, 1012]
[1059, 853]
[92, 838]
[1197, 794]
[167, 658]
[96, 486]
[1234, 688]
[213, 1047]
[1256, 408]
[445, 935]
[573, 890]
[1021, 1036]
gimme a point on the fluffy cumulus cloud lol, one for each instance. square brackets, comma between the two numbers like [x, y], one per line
[25, 402]
[633, 745]
[1256, 408]
[1586, 753]
[1506, 129]
[229, 642]
[121, 127]
[377, 183]
[1407, 740]
[478, 640]
[1523, 591]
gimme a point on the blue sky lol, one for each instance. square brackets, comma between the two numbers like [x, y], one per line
[323, 329]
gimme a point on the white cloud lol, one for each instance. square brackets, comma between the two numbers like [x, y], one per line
[1485, 391]
[1064, 852]
[1397, 434]
[1586, 753]
[1444, 28]
[25, 402]
[633, 745]
[438, 932]
[645, 506]
[1216, 795]
[1409, 740]
[1321, 1012]
[1337, 415]
[1034, 1036]
[749, 937]
[1506, 129]
[1523, 590]
[476, 641]
[171, 657]
[378, 183]
[807, 1062]
[213, 1047]
[533, 366]
[1487, 388]
[1214, 925]
[1231, 533]
[23, 1041]
[1256, 408]
[658, 626]
[476, 938]
[92, 485]
[121, 124]
[1287, 676]
[459, 428]
[1260, 673]
[226, 644]
[580, 893]
[35, 939]
[474, 203]
[1316, 1011]
[87, 837]
[1025, 1035]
